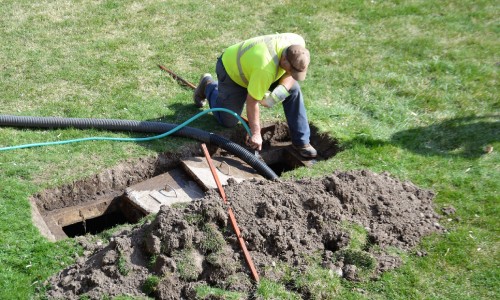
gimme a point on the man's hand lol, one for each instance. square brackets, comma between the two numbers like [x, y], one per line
[263, 102]
[255, 142]
[278, 95]
[254, 123]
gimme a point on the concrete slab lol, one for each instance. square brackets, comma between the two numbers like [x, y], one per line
[74, 214]
[166, 189]
[226, 167]
[41, 224]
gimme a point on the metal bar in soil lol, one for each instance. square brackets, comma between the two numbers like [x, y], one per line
[232, 218]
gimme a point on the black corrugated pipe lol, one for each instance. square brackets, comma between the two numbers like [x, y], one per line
[144, 127]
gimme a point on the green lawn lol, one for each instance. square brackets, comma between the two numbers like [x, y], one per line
[407, 87]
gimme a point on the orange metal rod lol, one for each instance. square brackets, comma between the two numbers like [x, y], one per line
[177, 77]
[232, 218]
[243, 246]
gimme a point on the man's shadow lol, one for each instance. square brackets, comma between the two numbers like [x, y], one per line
[464, 137]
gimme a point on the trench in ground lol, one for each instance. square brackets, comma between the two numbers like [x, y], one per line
[94, 204]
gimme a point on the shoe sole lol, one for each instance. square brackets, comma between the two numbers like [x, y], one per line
[198, 95]
[302, 154]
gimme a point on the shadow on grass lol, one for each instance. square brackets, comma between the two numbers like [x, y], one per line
[464, 137]
[185, 111]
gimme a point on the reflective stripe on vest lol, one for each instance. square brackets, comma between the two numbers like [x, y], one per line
[268, 41]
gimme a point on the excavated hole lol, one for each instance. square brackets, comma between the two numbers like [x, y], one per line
[95, 225]
[281, 160]
[94, 204]
[119, 212]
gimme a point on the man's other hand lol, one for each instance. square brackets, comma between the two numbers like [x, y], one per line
[255, 142]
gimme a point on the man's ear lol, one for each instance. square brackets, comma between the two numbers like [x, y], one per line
[285, 64]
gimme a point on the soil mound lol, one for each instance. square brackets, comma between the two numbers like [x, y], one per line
[347, 220]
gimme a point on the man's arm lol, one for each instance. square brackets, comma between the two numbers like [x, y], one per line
[253, 115]
[280, 92]
[287, 80]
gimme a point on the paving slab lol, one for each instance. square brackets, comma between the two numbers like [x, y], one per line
[226, 167]
[78, 213]
[175, 186]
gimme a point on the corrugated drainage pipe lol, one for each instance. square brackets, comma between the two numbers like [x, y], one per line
[144, 127]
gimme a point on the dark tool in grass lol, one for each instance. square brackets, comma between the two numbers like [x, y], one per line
[178, 78]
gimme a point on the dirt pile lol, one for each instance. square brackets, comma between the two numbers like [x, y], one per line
[347, 220]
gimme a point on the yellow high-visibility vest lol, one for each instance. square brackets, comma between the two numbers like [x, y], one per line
[254, 63]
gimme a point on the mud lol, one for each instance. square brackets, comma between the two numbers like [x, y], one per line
[351, 222]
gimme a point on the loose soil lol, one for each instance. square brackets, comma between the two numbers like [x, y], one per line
[352, 222]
